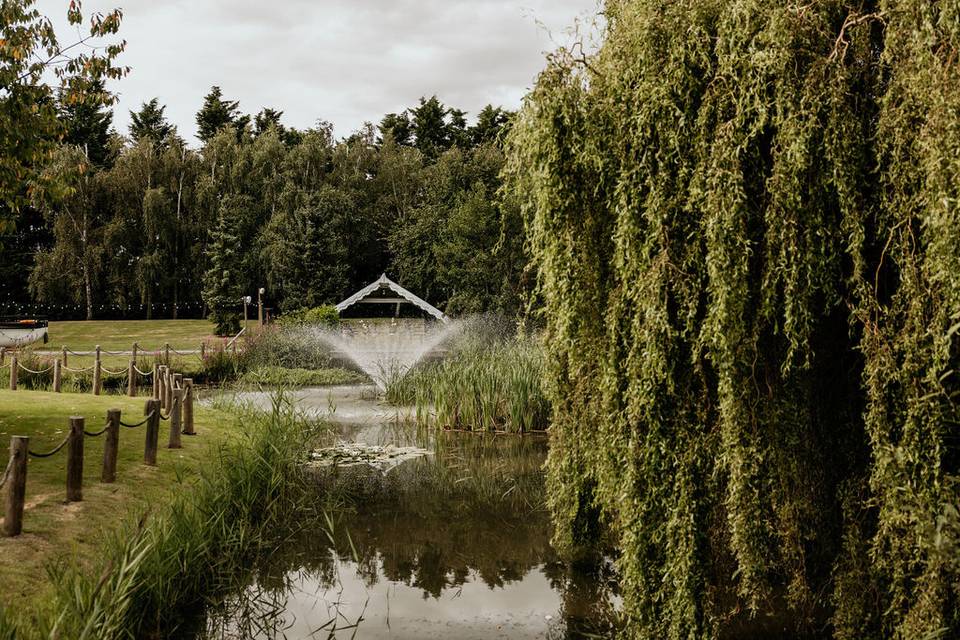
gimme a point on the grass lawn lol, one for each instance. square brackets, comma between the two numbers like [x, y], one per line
[119, 335]
[54, 529]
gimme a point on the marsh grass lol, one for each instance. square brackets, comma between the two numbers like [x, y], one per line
[163, 566]
[273, 376]
[490, 381]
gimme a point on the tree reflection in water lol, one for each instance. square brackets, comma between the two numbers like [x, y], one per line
[439, 527]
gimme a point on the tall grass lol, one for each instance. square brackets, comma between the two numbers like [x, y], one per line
[164, 566]
[490, 381]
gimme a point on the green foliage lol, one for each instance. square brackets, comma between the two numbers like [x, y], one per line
[304, 251]
[216, 114]
[450, 250]
[28, 110]
[221, 365]
[221, 283]
[155, 570]
[745, 221]
[87, 124]
[324, 316]
[289, 347]
[281, 376]
[311, 219]
[69, 268]
[149, 122]
[490, 381]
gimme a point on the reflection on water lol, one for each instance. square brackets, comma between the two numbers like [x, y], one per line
[454, 545]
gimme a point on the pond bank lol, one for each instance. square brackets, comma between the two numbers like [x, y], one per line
[453, 544]
[168, 557]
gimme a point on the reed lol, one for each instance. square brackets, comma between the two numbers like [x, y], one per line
[156, 572]
[487, 383]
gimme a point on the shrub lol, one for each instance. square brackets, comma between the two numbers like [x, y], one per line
[289, 346]
[324, 316]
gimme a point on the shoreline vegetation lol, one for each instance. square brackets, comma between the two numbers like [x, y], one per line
[491, 379]
[744, 219]
[155, 562]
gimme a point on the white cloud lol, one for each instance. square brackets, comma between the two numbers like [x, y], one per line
[338, 60]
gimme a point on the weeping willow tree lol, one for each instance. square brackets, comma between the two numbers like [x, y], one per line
[746, 220]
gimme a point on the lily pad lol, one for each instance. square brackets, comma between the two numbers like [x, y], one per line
[352, 454]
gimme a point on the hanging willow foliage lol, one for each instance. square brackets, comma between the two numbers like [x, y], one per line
[746, 219]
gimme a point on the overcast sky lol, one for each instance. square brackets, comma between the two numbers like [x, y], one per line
[346, 61]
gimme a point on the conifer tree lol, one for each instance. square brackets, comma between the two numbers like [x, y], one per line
[221, 290]
[216, 114]
[87, 123]
[149, 122]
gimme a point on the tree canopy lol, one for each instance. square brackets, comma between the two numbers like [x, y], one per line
[745, 220]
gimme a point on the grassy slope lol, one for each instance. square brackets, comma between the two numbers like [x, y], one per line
[53, 528]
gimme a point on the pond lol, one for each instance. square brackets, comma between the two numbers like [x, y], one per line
[455, 544]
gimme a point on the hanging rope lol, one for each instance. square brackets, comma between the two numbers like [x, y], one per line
[66, 368]
[53, 451]
[139, 424]
[176, 401]
[97, 433]
[50, 368]
[6, 473]
[188, 352]
[143, 373]
[112, 373]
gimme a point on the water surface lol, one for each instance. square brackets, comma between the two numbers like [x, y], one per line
[451, 545]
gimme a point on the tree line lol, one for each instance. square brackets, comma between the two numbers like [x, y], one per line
[142, 225]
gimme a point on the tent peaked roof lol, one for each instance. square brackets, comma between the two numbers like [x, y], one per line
[386, 283]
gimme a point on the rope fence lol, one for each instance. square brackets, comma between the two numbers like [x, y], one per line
[171, 393]
[77, 370]
[97, 434]
[6, 473]
[138, 424]
[52, 452]
[131, 375]
[36, 373]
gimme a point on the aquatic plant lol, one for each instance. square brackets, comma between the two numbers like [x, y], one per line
[485, 382]
[745, 220]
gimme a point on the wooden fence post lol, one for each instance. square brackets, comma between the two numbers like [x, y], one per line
[136, 348]
[188, 407]
[97, 374]
[57, 376]
[111, 446]
[175, 424]
[168, 388]
[161, 389]
[151, 409]
[75, 460]
[203, 350]
[132, 378]
[166, 354]
[13, 373]
[156, 381]
[63, 354]
[16, 486]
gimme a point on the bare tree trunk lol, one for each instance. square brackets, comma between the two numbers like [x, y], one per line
[176, 237]
[85, 267]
